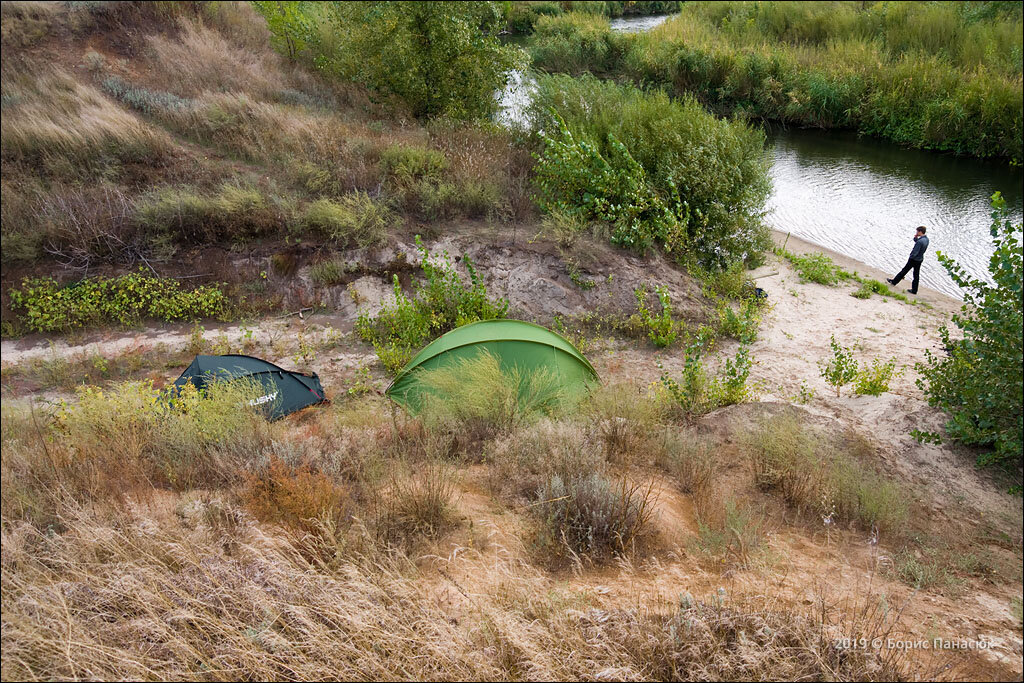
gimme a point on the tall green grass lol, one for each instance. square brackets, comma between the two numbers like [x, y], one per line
[943, 76]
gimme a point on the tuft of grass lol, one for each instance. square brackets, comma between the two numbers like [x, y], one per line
[419, 505]
[330, 272]
[183, 216]
[817, 478]
[356, 219]
[591, 516]
[65, 129]
[478, 397]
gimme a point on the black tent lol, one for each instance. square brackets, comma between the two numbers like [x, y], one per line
[285, 392]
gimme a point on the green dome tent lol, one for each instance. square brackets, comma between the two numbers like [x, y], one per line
[515, 343]
[284, 391]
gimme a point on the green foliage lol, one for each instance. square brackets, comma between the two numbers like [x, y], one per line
[979, 382]
[841, 369]
[289, 27]
[816, 267]
[743, 325]
[183, 439]
[929, 75]
[871, 286]
[874, 380]
[655, 170]
[355, 219]
[575, 43]
[696, 394]
[661, 329]
[440, 302]
[439, 58]
[43, 305]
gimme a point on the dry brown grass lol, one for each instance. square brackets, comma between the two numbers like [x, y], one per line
[205, 594]
[60, 125]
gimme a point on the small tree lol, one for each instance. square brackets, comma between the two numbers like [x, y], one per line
[979, 381]
[841, 368]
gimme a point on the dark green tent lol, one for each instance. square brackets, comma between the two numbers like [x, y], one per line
[285, 392]
[515, 343]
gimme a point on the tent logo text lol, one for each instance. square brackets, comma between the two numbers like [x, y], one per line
[263, 399]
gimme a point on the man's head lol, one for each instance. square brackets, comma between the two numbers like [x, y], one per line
[921, 230]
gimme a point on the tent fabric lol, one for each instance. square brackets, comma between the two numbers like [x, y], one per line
[285, 391]
[516, 343]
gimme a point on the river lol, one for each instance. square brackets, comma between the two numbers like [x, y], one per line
[862, 197]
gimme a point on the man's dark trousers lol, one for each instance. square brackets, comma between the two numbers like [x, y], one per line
[916, 265]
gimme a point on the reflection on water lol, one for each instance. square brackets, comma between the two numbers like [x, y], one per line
[864, 198]
[638, 24]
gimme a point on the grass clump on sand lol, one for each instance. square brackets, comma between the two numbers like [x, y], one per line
[815, 477]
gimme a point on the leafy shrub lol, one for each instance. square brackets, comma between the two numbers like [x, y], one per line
[874, 380]
[454, 73]
[477, 397]
[592, 516]
[841, 369]
[355, 219]
[662, 329]
[979, 383]
[817, 267]
[45, 306]
[405, 163]
[695, 393]
[744, 325]
[441, 302]
[657, 171]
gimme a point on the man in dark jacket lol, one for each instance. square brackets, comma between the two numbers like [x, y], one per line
[914, 262]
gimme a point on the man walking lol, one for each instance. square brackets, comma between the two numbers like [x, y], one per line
[914, 262]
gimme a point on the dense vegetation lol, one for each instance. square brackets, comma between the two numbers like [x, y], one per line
[979, 382]
[944, 75]
[522, 17]
[653, 169]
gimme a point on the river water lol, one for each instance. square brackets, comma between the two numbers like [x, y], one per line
[862, 197]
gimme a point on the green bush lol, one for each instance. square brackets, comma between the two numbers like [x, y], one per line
[696, 393]
[440, 59]
[355, 219]
[655, 170]
[816, 267]
[661, 329]
[978, 383]
[575, 43]
[874, 380]
[841, 368]
[440, 302]
[43, 305]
